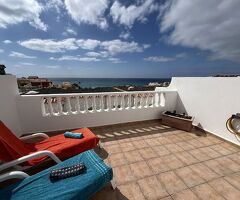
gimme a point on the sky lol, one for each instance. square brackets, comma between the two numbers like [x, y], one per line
[120, 38]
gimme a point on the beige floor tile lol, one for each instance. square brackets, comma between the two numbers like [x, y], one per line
[234, 180]
[228, 163]
[173, 148]
[196, 143]
[115, 148]
[164, 140]
[140, 169]
[117, 159]
[172, 161]
[133, 156]
[123, 174]
[151, 188]
[172, 182]
[210, 152]
[235, 157]
[190, 177]
[185, 145]
[147, 153]
[161, 150]
[152, 142]
[127, 146]
[157, 165]
[200, 155]
[139, 144]
[205, 191]
[185, 195]
[225, 189]
[231, 147]
[130, 191]
[220, 149]
[217, 167]
[186, 158]
[204, 172]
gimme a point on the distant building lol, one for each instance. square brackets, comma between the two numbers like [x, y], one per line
[33, 82]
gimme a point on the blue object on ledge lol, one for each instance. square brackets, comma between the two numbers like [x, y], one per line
[73, 135]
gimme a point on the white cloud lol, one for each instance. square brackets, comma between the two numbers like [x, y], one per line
[88, 11]
[181, 55]
[50, 45]
[1, 50]
[159, 59]
[128, 15]
[93, 54]
[124, 35]
[88, 44]
[111, 47]
[20, 55]
[52, 66]
[27, 63]
[118, 46]
[69, 31]
[7, 41]
[212, 25]
[18, 11]
[115, 60]
[54, 4]
[75, 58]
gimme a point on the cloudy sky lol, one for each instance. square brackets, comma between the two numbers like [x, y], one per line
[120, 38]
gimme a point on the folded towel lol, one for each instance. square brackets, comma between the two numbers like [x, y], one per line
[73, 135]
[67, 172]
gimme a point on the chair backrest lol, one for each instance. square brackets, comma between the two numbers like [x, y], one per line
[11, 147]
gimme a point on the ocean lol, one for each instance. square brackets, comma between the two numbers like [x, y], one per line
[108, 82]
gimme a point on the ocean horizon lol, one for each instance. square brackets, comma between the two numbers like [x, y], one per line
[108, 82]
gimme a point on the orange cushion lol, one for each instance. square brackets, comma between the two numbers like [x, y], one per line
[66, 147]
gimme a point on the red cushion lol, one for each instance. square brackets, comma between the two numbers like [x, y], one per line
[66, 147]
[12, 147]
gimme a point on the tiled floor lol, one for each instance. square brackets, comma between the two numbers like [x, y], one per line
[153, 161]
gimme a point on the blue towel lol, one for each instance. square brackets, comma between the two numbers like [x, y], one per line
[73, 135]
[82, 187]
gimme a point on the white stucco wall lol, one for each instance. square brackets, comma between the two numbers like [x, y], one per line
[211, 100]
[32, 120]
[8, 106]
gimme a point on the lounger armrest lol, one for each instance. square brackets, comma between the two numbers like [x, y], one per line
[29, 157]
[13, 175]
[35, 135]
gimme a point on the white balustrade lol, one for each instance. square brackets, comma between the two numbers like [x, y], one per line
[69, 104]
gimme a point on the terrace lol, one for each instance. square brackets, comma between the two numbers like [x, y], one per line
[149, 160]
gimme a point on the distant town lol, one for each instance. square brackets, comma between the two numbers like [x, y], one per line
[35, 85]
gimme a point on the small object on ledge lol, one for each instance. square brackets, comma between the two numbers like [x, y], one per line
[2, 69]
[179, 121]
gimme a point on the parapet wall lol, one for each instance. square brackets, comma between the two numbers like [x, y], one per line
[211, 100]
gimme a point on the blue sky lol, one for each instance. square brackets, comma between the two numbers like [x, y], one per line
[117, 38]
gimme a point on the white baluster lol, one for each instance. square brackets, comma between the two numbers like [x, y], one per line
[77, 104]
[123, 102]
[135, 101]
[94, 107]
[129, 103]
[115, 102]
[146, 103]
[43, 104]
[59, 104]
[162, 99]
[101, 103]
[69, 107]
[109, 105]
[85, 104]
[49, 101]
[141, 101]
